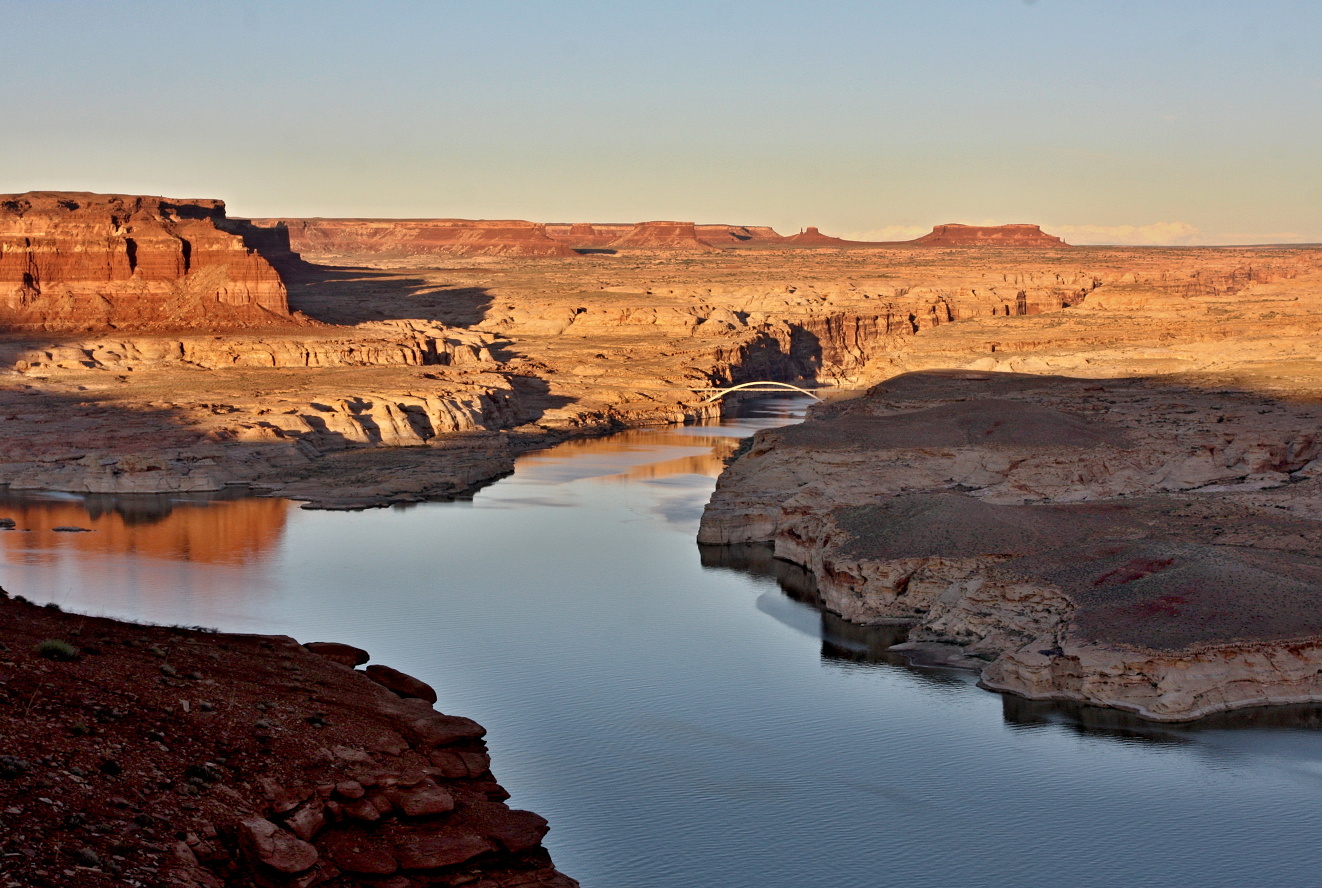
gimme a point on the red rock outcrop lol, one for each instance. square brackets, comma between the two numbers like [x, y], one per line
[173, 757]
[417, 238]
[812, 237]
[956, 235]
[662, 236]
[82, 261]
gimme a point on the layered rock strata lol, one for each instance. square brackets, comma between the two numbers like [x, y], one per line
[142, 755]
[1145, 544]
[74, 261]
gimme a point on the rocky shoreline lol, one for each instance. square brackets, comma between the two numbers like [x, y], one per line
[1143, 544]
[135, 755]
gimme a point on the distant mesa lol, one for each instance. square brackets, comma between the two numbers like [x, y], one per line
[956, 235]
[949, 235]
[417, 238]
[739, 235]
[77, 261]
[662, 236]
[812, 237]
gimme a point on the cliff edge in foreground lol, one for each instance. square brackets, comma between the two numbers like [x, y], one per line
[152, 756]
[1145, 544]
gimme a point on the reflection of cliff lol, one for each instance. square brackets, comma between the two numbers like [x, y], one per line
[641, 455]
[216, 532]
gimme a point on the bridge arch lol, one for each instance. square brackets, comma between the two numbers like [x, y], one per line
[766, 385]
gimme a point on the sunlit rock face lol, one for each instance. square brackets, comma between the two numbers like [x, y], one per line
[73, 261]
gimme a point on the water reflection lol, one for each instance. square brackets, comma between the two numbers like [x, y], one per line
[638, 455]
[1095, 721]
[209, 530]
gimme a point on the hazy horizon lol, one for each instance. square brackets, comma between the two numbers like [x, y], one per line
[1103, 122]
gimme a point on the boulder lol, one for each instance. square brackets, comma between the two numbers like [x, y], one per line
[424, 851]
[344, 654]
[401, 683]
[272, 846]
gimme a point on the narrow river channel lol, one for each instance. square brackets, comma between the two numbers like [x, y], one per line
[684, 724]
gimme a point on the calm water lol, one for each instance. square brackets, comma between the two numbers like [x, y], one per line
[684, 723]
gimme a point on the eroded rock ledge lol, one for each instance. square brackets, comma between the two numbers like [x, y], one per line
[153, 756]
[1145, 544]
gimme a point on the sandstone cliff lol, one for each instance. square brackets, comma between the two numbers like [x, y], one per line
[1145, 544]
[72, 261]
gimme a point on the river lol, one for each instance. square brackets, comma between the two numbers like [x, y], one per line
[679, 719]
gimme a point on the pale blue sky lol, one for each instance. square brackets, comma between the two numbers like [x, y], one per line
[858, 117]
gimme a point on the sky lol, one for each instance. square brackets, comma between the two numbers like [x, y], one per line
[1105, 121]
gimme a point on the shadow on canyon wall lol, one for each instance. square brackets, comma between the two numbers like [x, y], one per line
[345, 295]
[859, 645]
[767, 359]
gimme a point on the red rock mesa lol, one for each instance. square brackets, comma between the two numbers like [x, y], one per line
[955, 235]
[81, 261]
[418, 238]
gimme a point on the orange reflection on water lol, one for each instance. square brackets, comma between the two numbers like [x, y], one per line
[640, 455]
[209, 532]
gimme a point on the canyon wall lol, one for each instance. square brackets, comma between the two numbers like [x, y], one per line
[73, 261]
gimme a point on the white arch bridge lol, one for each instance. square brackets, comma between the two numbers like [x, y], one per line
[766, 385]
